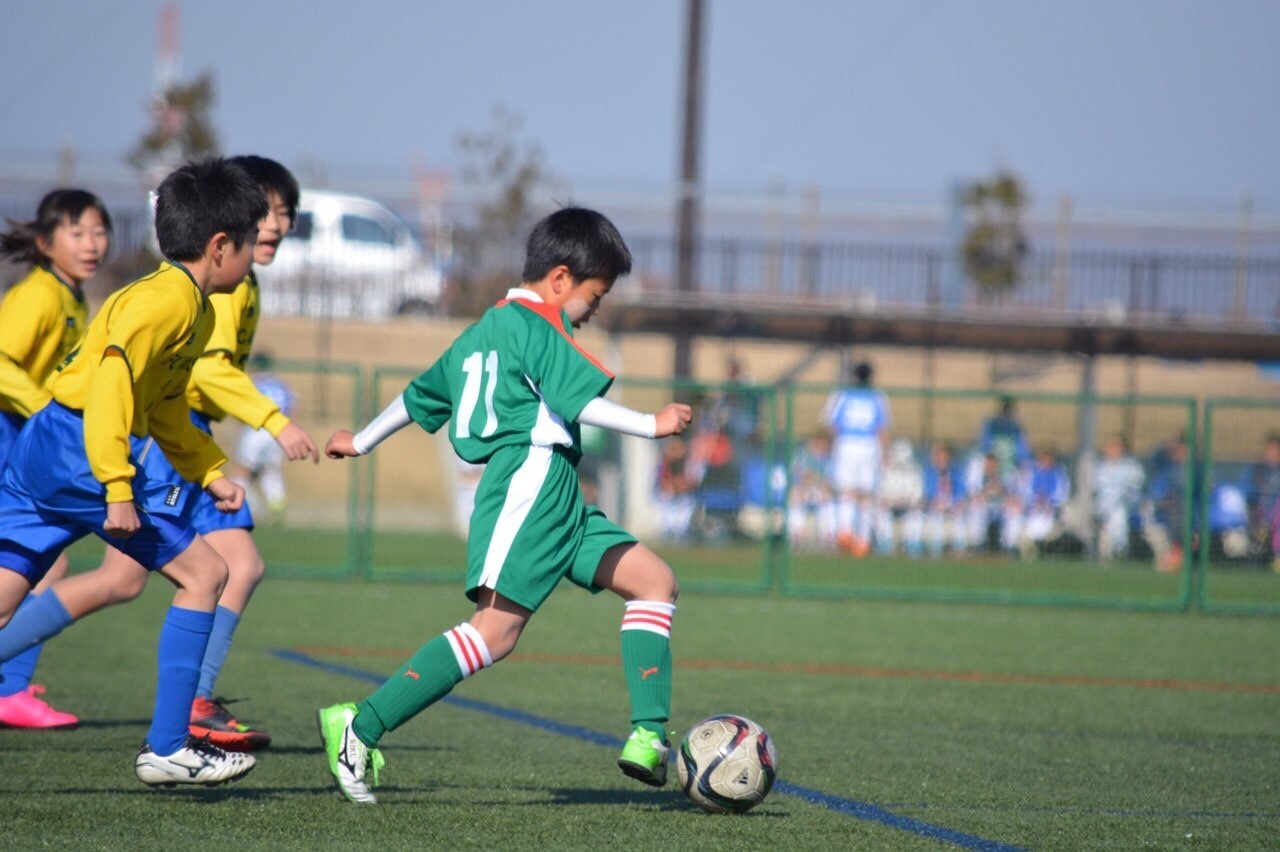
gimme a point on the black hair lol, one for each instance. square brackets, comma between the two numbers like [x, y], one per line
[20, 242]
[205, 198]
[862, 373]
[581, 239]
[272, 177]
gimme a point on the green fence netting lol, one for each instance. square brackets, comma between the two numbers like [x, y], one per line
[1238, 530]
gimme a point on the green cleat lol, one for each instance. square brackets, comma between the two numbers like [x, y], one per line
[644, 757]
[353, 764]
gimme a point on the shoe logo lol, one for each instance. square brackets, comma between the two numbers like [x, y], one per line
[644, 673]
[411, 673]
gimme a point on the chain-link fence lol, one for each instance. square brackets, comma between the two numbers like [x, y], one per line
[1239, 522]
[307, 515]
[982, 496]
[1133, 502]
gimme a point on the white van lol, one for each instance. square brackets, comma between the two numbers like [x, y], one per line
[349, 256]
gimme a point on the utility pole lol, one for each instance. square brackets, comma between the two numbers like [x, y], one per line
[690, 179]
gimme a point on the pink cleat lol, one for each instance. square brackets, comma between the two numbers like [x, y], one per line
[25, 710]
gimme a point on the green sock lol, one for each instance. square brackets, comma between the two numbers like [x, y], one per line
[429, 675]
[646, 659]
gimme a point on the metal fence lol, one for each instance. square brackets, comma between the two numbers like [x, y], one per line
[1124, 285]
[1120, 286]
[317, 531]
[1239, 507]
[1160, 505]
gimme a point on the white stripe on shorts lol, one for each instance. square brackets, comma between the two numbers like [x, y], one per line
[523, 490]
[469, 649]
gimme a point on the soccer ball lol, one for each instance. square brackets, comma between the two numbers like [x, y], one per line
[727, 764]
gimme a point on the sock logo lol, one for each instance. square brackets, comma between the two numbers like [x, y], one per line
[644, 673]
[409, 672]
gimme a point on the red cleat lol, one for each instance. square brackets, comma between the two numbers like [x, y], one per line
[209, 718]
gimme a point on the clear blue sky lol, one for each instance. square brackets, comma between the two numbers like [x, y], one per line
[1142, 104]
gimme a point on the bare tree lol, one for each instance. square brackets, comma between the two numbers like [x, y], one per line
[995, 244]
[509, 173]
[181, 129]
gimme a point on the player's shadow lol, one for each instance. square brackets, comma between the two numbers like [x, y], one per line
[670, 799]
[665, 800]
[318, 749]
[235, 791]
[108, 724]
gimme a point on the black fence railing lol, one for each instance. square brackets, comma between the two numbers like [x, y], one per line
[1206, 288]
[1120, 286]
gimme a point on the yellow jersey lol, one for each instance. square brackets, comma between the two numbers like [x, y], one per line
[219, 384]
[42, 319]
[130, 375]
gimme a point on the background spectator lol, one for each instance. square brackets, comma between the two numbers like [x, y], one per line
[1262, 491]
[675, 491]
[858, 417]
[1118, 481]
[1164, 522]
[901, 502]
[1045, 488]
[1003, 437]
[811, 511]
[258, 457]
[992, 496]
[944, 498]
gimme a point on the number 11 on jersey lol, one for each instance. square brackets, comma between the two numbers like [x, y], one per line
[476, 374]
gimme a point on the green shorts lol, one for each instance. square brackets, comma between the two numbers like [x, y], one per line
[530, 528]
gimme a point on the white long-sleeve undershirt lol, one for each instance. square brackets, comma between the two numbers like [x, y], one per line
[607, 415]
[598, 412]
[392, 419]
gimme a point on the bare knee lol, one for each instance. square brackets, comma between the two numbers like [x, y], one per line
[13, 591]
[247, 572]
[126, 586]
[500, 622]
[204, 575]
[636, 573]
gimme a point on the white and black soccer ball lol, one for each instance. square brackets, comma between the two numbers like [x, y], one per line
[727, 764]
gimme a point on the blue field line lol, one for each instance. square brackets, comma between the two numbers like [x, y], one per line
[860, 810]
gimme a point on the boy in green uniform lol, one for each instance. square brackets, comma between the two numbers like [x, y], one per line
[514, 388]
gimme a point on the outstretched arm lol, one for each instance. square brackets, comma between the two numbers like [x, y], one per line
[393, 418]
[671, 420]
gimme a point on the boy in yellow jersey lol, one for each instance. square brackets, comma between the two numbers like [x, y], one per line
[75, 468]
[43, 317]
[219, 386]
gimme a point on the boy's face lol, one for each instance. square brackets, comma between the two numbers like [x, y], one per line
[582, 300]
[231, 264]
[271, 229]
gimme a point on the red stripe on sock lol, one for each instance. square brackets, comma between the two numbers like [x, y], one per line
[469, 654]
[647, 618]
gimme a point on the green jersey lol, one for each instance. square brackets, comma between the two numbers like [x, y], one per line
[514, 378]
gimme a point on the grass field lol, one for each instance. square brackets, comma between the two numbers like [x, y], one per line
[898, 725]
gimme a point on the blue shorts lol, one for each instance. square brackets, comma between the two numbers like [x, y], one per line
[49, 499]
[205, 516]
[10, 425]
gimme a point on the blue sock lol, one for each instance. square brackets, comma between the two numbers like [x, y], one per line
[224, 627]
[182, 642]
[39, 617]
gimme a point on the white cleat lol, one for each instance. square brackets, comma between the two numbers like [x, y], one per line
[353, 764]
[199, 762]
